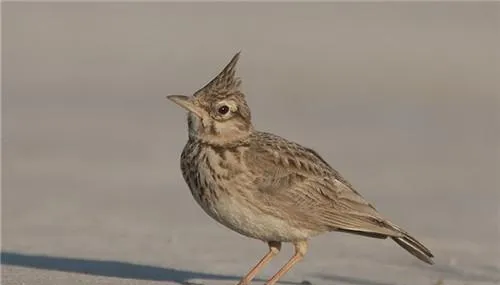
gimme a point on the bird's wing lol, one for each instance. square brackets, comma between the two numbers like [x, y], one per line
[288, 172]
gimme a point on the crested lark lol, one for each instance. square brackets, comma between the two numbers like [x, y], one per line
[266, 187]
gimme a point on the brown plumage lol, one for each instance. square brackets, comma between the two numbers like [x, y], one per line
[266, 187]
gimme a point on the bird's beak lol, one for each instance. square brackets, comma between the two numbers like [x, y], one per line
[186, 103]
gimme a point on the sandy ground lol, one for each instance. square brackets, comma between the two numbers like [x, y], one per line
[400, 98]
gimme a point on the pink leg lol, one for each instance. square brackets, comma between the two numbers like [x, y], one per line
[300, 251]
[274, 249]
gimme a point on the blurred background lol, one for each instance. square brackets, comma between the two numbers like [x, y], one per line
[401, 98]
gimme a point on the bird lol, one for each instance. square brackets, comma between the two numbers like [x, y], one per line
[266, 187]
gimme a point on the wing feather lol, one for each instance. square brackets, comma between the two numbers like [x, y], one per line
[286, 171]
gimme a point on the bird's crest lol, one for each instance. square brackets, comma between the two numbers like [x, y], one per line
[224, 82]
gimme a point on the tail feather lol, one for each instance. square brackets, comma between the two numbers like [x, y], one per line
[400, 236]
[413, 246]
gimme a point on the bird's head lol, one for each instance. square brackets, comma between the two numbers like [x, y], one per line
[218, 113]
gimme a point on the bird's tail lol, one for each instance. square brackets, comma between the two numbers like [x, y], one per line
[413, 246]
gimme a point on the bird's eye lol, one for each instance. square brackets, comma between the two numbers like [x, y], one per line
[223, 109]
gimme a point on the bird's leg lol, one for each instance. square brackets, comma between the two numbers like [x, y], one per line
[300, 251]
[274, 249]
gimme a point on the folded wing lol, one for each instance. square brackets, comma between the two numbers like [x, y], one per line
[287, 172]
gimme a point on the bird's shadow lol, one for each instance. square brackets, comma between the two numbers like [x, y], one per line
[127, 270]
[136, 271]
[109, 268]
